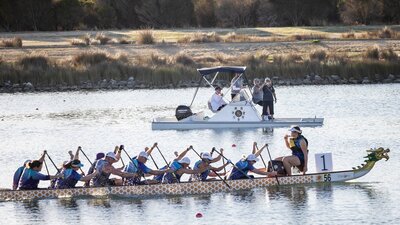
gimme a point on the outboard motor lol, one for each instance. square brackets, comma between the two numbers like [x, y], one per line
[183, 112]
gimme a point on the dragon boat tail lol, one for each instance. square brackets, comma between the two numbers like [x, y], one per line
[205, 187]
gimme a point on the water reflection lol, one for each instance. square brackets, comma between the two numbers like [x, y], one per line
[68, 203]
[100, 202]
[244, 196]
[297, 196]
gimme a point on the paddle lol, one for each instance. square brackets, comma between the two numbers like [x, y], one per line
[234, 165]
[262, 158]
[212, 170]
[80, 149]
[47, 169]
[137, 169]
[272, 165]
[116, 149]
[175, 153]
[223, 161]
[58, 170]
[152, 159]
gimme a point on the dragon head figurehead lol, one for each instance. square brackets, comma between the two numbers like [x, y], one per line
[376, 154]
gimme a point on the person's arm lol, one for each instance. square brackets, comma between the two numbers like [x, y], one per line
[118, 172]
[71, 156]
[76, 156]
[254, 148]
[286, 138]
[161, 171]
[219, 157]
[273, 93]
[183, 153]
[117, 152]
[88, 177]
[190, 171]
[41, 159]
[303, 146]
[258, 153]
[217, 169]
[263, 172]
[150, 150]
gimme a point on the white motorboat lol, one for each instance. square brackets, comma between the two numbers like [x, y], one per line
[238, 113]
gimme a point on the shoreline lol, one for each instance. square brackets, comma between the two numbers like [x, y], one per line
[130, 84]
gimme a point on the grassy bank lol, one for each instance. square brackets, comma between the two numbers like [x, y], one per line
[94, 70]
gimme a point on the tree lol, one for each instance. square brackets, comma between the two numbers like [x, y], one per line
[237, 13]
[204, 11]
[68, 14]
[361, 11]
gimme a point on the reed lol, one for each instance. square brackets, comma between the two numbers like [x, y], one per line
[15, 42]
[146, 37]
[166, 71]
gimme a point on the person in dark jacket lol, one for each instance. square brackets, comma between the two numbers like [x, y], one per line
[269, 97]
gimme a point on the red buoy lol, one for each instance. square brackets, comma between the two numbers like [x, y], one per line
[199, 215]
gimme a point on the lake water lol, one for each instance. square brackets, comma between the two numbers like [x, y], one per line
[356, 118]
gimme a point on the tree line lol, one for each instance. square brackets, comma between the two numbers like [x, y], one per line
[58, 15]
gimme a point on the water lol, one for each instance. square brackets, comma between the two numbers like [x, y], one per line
[356, 118]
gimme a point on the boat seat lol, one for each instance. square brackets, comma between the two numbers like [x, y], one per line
[210, 107]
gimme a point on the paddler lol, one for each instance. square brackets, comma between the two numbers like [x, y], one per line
[245, 165]
[105, 168]
[179, 166]
[137, 165]
[30, 177]
[298, 144]
[204, 163]
[20, 170]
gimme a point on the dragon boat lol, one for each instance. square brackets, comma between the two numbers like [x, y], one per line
[238, 113]
[205, 187]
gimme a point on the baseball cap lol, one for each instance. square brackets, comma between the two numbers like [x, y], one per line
[252, 157]
[143, 154]
[111, 155]
[295, 128]
[76, 163]
[206, 155]
[185, 160]
[99, 155]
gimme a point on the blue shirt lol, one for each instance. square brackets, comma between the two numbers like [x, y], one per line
[17, 176]
[30, 179]
[245, 166]
[203, 176]
[173, 177]
[136, 167]
[71, 177]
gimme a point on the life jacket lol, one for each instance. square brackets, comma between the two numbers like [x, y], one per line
[173, 177]
[295, 146]
[30, 179]
[102, 178]
[69, 180]
[202, 176]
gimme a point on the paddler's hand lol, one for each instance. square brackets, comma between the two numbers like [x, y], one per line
[272, 174]
[70, 152]
[286, 136]
[254, 143]
[229, 161]
[155, 145]
[222, 151]
[44, 152]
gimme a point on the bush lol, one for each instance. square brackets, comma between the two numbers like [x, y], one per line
[146, 37]
[15, 42]
[200, 38]
[184, 59]
[35, 61]
[90, 58]
[389, 54]
[123, 41]
[372, 53]
[233, 37]
[102, 38]
[318, 55]
[350, 35]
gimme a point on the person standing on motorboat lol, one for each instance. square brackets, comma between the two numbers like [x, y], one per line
[298, 144]
[257, 92]
[269, 97]
[237, 85]
[217, 101]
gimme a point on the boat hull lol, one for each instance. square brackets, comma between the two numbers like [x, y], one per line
[281, 122]
[184, 188]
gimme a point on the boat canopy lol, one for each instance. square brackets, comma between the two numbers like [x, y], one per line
[232, 69]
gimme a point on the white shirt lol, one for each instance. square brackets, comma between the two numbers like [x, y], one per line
[217, 101]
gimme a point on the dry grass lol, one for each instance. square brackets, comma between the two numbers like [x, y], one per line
[15, 42]
[372, 53]
[184, 59]
[90, 58]
[124, 41]
[146, 37]
[318, 55]
[35, 61]
[384, 33]
[389, 54]
[311, 36]
[102, 38]
[201, 38]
